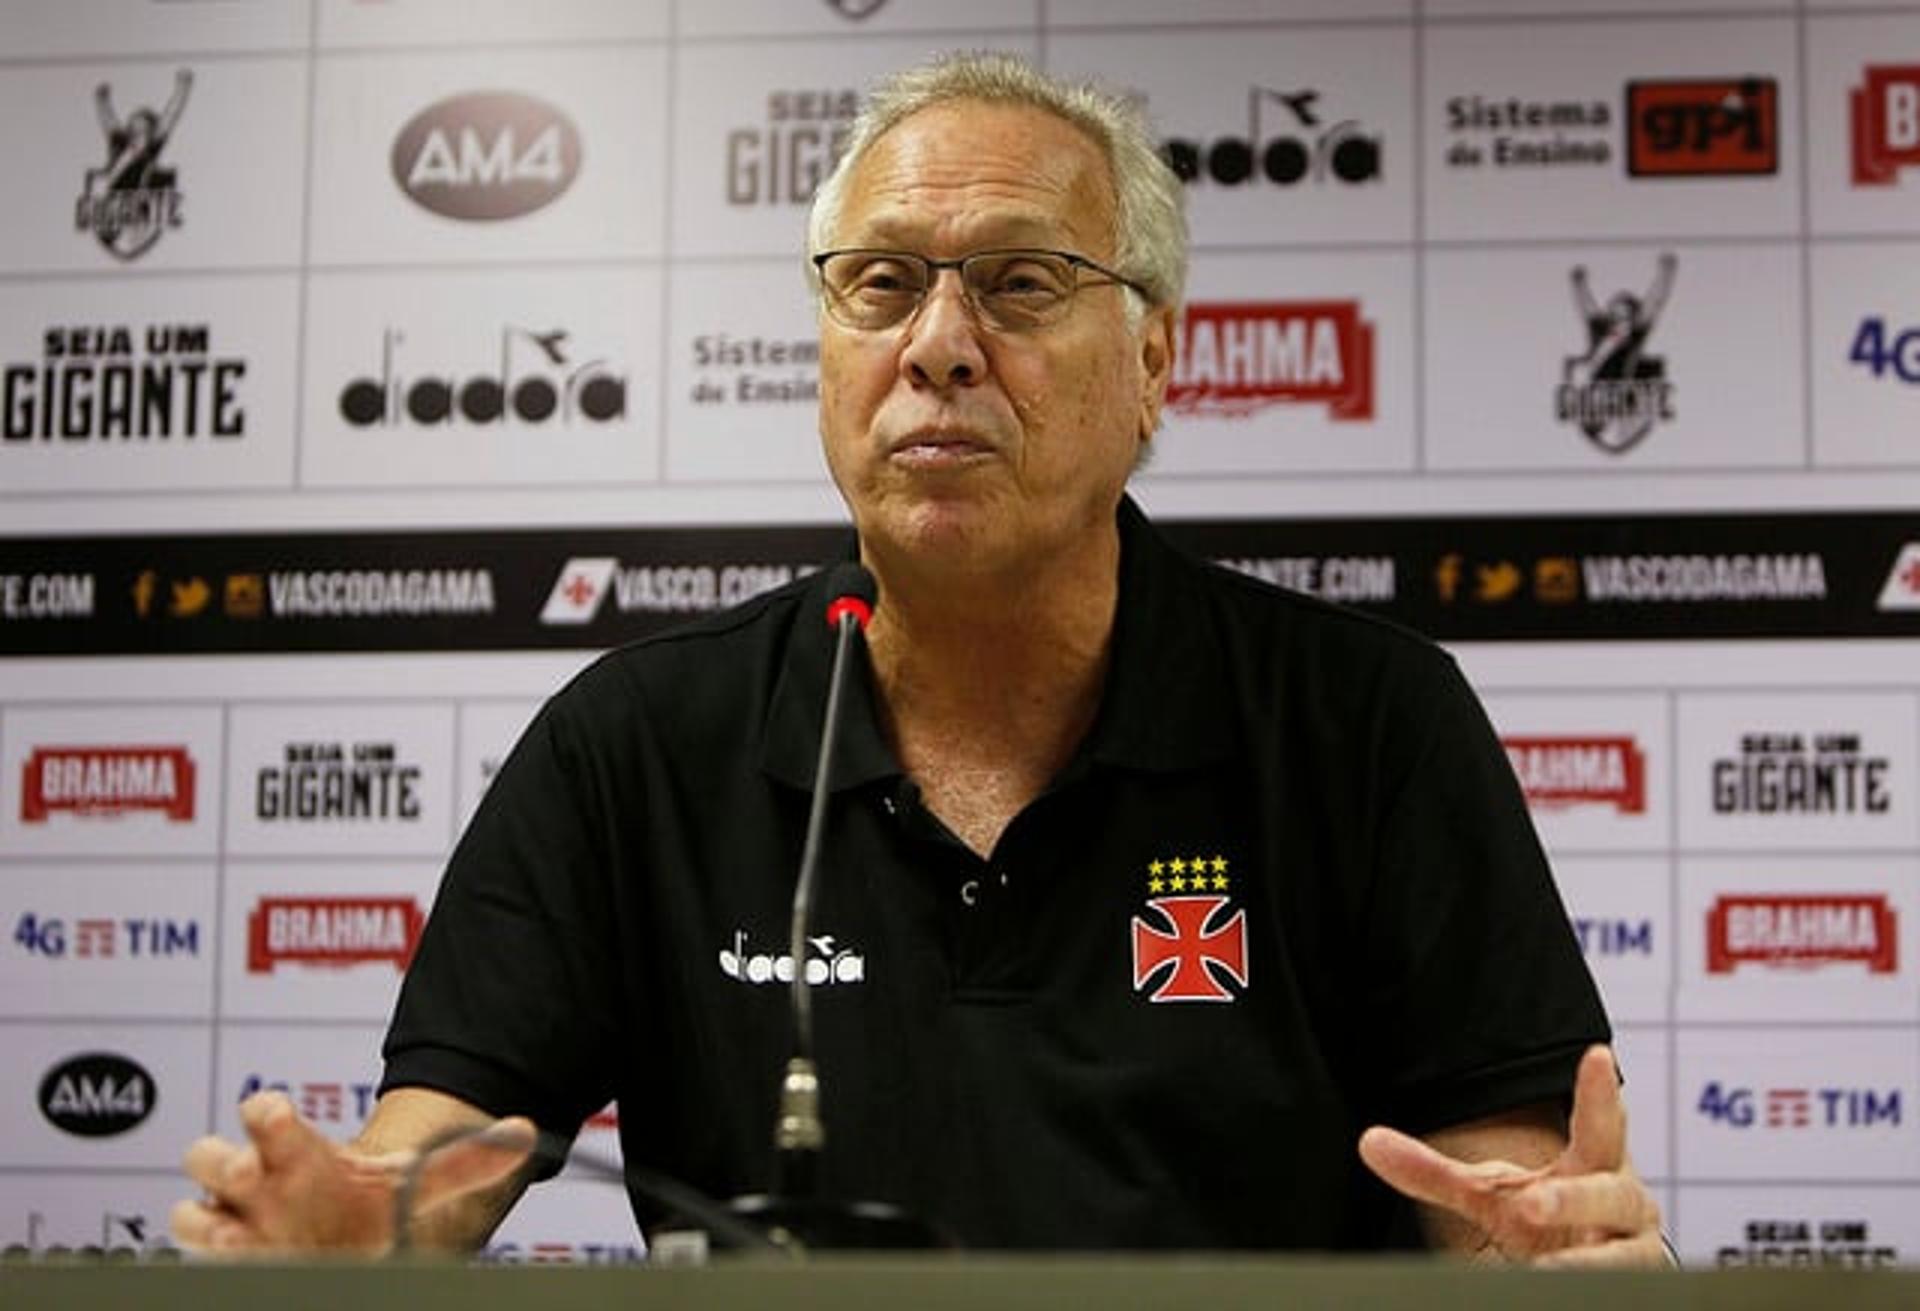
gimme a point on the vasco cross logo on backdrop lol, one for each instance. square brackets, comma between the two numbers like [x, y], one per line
[130, 200]
[1204, 947]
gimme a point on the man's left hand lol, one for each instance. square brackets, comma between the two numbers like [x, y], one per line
[1587, 1208]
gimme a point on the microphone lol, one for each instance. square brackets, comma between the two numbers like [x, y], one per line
[794, 1217]
[795, 1213]
[798, 1133]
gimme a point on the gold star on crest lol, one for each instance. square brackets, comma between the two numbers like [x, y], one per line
[1156, 885]
[1156, 867]
[1219, 864]
[1179, 884]
[1179, 865]
[1219, 882]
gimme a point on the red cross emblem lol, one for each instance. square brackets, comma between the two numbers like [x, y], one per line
[578, 589]
[1196, 955]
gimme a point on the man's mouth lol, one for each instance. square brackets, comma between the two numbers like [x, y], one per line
[937, 447]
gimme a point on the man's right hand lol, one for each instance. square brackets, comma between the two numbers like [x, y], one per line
[289, 1189]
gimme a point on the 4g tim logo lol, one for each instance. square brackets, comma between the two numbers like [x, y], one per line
[1880, 351]
[1799, 1108]
[101, 937]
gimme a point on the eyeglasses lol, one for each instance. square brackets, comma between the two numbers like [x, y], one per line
[1008, 290]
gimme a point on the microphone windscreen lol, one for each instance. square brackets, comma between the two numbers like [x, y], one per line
[851, 590]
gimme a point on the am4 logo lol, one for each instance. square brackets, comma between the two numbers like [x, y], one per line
[1877, 350]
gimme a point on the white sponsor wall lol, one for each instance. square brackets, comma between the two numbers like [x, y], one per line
[316, 265]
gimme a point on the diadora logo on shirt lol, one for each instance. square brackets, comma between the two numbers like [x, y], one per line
[1189, 947]
[828, 962]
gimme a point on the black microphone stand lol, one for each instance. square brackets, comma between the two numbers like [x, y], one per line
[795, 1215]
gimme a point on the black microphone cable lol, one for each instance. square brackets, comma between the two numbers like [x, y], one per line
[724, 1227]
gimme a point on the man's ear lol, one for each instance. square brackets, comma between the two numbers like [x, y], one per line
[1158, 342]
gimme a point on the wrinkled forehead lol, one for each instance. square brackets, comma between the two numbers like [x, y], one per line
[971, 174]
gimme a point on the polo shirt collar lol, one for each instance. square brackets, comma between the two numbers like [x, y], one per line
[790, 740]
[1166, 705]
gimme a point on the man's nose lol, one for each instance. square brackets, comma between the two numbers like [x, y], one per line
[943, 338]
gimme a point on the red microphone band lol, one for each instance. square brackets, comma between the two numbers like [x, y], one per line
[849, 605]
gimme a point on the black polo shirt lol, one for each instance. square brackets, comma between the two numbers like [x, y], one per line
[1286, 888]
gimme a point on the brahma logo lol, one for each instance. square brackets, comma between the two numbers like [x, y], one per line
[1802, 932]
[1558, 772]
[107, 782]
[1236, 358]
[1707, 127]
[332, 932]
[1886, 124]
[486, 155]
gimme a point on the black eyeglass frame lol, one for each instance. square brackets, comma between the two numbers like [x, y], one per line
[959, 265]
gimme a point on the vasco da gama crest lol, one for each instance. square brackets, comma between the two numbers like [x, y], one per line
[1188, 947]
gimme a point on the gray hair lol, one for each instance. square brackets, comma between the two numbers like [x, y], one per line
[1150, 241]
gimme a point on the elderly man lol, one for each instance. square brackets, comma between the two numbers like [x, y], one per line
[1148, 887]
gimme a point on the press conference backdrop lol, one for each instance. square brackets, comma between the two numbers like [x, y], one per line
[370, 365]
